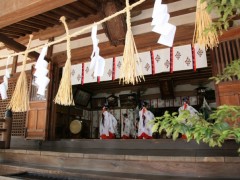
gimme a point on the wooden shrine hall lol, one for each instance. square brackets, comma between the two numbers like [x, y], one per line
[52, 140]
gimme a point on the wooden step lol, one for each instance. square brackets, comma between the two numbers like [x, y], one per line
[2, 120]
[119, 165]
[2, 130]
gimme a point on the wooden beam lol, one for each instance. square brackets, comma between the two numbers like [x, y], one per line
[12, 11]
[144, 42]
[17, 47]
[231, 34]
[116, 28]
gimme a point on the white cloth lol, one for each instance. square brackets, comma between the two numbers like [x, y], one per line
[143, 126]
[128, 127]
[108, 124]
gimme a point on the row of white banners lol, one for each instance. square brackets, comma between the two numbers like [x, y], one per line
[162, 60]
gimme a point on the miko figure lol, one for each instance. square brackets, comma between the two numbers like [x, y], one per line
[144, 128]
[108, 124]
[186, 106]
[127, 127]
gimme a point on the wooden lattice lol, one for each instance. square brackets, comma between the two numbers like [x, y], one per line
[19, 119]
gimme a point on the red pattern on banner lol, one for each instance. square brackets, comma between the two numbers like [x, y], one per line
[153, 62]
[194, 58]
[82, 73]
[171, 60]
[114, 68]
[98, 79]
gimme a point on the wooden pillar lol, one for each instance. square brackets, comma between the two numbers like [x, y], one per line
[6, 136]
[14, 65]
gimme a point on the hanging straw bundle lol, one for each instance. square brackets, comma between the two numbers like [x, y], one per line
[131, 69]
[64, 95]
[20, 98]
[208, 38]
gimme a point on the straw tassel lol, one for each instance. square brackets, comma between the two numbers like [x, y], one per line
[203, 21]
[131, 67]
[20, 98]
[64, 95]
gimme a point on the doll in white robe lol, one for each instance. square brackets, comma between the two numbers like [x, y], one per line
[108, 125]
[144, 128]
[192, 110]
[128, 127]
[186, 106]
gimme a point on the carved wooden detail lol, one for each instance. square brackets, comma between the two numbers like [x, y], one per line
[115, 28]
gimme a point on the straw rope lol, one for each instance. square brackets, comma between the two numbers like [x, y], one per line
[77, 33]
[202, 36]
[131, 69]
[20, 98]
[64, 95]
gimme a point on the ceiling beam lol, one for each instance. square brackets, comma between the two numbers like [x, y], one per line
[12, 11]
[17, 47]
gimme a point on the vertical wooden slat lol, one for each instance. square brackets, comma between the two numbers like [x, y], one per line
[221, 60]
[225, 54]
[238, 48]
[214, 71]
[229, 52]
[234, 50]
[49, 92]
[14, 64]
[217, 60]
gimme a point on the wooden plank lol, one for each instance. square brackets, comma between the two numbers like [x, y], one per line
[232, 33]
[12, 11]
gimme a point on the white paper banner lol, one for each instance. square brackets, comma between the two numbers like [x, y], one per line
[168, 37]
[201, 57]
[162, 60]
[108, 70]
[97, 62]
[88, 74]
[118, 65]
[76, 74]
[145, 59]
[3, 91]
[158, 8]
[182, 58]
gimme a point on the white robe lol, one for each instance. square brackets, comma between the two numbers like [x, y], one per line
[147, 128]
[109, 124]
[189, 108]
[193, 112]
[128, 127]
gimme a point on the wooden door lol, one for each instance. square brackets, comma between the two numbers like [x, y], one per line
[36, 124]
